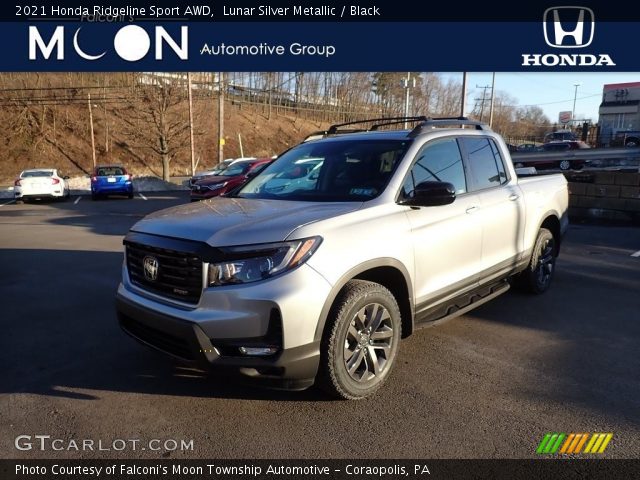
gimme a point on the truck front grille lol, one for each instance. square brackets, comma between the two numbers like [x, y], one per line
[169, 273]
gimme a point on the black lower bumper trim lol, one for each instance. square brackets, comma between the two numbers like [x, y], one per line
[291, 369]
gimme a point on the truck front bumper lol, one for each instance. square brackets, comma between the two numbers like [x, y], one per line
[290, 369]
[229, 327]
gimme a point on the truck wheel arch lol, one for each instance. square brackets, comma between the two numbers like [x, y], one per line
[552, 223]
[390, 273]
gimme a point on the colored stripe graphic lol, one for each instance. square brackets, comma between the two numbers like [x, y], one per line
[583, 439]
[550, 443]
[556, 446]
[567, 442]
[573, 443]
[606, 441]
[598, 442]
[543, 443]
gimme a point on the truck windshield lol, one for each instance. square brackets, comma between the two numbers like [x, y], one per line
[329, 171]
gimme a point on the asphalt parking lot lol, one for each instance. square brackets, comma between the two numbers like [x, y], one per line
[486, 385]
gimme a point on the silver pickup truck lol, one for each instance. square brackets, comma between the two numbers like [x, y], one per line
[382, 232]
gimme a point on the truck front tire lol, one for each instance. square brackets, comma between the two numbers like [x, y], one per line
[360, 341]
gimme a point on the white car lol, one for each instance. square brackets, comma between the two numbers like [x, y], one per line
[41, 183]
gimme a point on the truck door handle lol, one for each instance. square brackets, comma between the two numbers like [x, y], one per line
[513, 197]
[471, 209]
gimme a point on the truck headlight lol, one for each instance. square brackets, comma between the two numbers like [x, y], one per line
[256, 262]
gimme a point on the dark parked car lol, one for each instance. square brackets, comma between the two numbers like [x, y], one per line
[236, 174]
[560, 136]
[111, 180]
[546, 163]
[217, 170]
[565, 145]
[529, 147]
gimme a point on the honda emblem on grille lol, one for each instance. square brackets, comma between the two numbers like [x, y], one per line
[150, 265]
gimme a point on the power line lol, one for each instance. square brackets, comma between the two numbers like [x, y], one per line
[484, 97]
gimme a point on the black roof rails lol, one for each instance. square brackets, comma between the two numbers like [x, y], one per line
[431, 123]
[377, 123]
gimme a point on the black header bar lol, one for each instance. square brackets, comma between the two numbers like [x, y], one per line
[300, 11]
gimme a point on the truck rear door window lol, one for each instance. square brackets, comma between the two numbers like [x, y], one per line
[483, 164]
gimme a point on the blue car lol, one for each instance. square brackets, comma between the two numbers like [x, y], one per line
[111, 180]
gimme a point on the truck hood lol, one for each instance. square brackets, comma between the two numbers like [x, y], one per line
[225, 221]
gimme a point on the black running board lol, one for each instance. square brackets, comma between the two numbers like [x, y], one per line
[461, 305]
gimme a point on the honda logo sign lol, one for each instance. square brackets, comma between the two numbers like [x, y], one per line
[568, 27]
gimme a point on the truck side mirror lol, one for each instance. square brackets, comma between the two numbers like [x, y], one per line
[431, 194]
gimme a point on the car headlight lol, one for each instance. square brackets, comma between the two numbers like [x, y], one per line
[216, 186]
[257, 262]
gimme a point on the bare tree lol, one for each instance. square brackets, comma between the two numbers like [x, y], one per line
[161, 123]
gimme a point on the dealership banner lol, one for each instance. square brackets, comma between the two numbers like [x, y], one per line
[310, 36]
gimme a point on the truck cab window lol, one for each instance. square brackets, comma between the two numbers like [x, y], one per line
[437, 161]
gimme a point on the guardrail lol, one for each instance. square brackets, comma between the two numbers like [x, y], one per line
[607, 187]
[586, 154]
[598, 158]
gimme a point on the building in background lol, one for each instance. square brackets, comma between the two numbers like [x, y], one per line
[619, 113]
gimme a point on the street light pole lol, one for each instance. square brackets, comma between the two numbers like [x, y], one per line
[575, 96]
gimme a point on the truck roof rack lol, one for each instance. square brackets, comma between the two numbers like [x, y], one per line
[377, 123]
[431, 123]
[374, 124]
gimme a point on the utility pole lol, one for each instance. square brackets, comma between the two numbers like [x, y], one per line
[484, 96]
[220, 116]
[406, 97]
[93, 140]
[575, 96]
[463, 100]
[493, 96]
[106, 121]
[193, 153]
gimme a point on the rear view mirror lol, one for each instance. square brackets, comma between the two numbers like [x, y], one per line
[431, 194]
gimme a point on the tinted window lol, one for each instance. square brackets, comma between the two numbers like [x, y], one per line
[437, 161]
[109, 171]
[499, 161]
[482, 163]
[238, 169]
[36, 173]
[356, 169]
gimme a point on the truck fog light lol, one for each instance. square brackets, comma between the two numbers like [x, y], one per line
[258, 351]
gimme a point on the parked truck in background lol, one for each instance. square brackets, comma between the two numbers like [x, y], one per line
[318, 284]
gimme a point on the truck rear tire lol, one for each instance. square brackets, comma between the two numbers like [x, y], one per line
[537, 277]
[360, 341]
